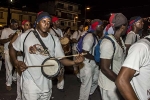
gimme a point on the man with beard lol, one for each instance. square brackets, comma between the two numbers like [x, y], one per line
[89, 70]
[135, 26]
[6, 37]
[112, 58]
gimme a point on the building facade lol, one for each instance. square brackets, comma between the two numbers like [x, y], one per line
[66, 11]
[16, 14]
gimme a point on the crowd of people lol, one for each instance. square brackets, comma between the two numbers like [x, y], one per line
[123, 70]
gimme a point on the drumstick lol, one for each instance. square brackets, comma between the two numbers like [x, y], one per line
[41, 66]
[70, 56]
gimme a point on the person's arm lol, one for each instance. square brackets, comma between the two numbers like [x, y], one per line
[18, 64]
[3, 41]
[123, 83]
[66, 62]
[105, 68]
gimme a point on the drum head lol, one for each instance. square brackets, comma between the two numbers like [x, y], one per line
[64, 40]
[50, 71]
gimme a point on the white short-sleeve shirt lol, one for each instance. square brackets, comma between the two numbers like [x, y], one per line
[5, 34]
[132, 38]
[58, 31]
[88, 43]
[106, 50]
[34, 74]
[138, 59]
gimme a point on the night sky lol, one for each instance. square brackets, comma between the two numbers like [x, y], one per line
[99, 8]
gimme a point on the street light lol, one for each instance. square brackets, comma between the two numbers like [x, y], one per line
[8, 13]
[75, 18]
[87, 8]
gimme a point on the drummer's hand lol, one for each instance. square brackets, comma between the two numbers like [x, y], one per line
[79, 59]
[21, 65]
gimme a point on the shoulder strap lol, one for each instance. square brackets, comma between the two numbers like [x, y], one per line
[107, 37]
[56, 32]
[23, 45]
[136, 38]
[43, 45]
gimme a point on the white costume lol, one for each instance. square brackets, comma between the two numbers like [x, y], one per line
[33, 84]
[107, 87]
[138, 60]
[5, 34]
[76, 35]
[132, 38]
[60, 85]
[90, 71]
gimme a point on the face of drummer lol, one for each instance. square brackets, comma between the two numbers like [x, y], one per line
[26, 26]
[57, 23]
[44, 24]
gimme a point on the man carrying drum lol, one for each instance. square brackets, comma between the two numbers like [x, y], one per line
[34, 85]
[56, 31]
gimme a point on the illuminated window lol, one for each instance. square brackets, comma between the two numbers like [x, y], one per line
[1, 14]
[20, 17]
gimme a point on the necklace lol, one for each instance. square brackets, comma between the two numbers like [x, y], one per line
[119, 41]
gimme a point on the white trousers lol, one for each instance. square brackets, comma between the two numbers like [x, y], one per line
[110, 95]
[31, 91]
[36, 96]
[89, 79]
[60, 85]
[9, 68]
[19, 58]
[18, 88]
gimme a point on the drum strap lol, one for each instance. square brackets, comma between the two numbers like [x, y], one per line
[23, 45]
[56, 33]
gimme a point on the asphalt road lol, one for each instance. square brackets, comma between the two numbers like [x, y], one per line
[72, 87]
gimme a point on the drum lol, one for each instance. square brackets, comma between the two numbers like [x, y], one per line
[50, 71]
[65, 42]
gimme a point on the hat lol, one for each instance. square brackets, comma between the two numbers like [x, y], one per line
[24, 21]
[54, 19]
[13, 21]
[42, 15]
[94, 24]
[132, 21]
[118, 19]
[107, 30]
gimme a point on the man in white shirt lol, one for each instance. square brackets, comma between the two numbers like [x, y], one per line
[34, 85]
[74, 39]
[89, 70]
[111, 59]
[6, 36]
[56, 31]
[26, 28]
[134, 76]
[135, 25]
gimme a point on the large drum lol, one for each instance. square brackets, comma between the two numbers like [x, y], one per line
[65, 42]
[53, 68]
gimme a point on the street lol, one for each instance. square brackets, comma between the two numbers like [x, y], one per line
[72, 87]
